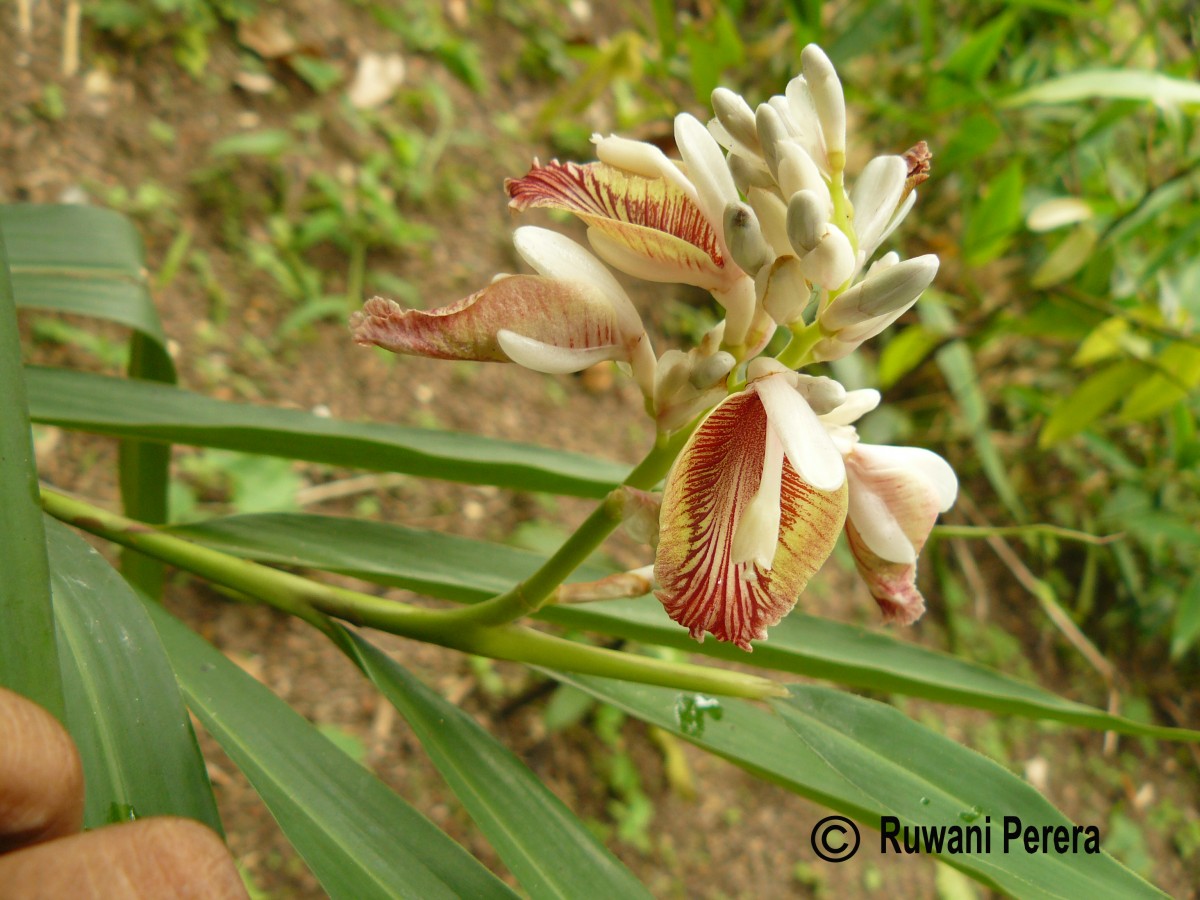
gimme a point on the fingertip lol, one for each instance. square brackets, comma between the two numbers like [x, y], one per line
[41, 775]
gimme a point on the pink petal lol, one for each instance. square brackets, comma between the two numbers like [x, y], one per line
[650, 220]
[893, 585]
[567, 314]
[707, 493]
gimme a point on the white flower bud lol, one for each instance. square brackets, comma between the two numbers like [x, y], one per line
[823, 394]
[744, 238]
[736, 117]
[771, 131]
[806, 221]
[875, 198]
[886, 292]
[785, 291]
[832, 262]
[748, 173]
[710, 372]
[827, 96]
[798, 172]
[772, 219]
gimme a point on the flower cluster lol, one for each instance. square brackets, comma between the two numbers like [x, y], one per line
[757, 212]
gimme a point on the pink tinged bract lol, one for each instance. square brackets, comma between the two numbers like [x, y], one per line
[647, 227]
[545, 324]
[896, 494]
[710, 491]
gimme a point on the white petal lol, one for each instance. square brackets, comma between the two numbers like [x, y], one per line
[706, 167]
[856, 405]
[802, 114]
[640, 158]
[543, 357]
[798, 172]
[926, 464]
[805, 443]
[876, 525]
[875, 196]
[757, 535]
[557, 256]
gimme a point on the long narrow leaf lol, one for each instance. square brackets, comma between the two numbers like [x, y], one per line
[360, 839]
[28, 657]
[866, 760]
[155, 412]
[550, 851]
[90, 262]
[465, 570]
[124, 710]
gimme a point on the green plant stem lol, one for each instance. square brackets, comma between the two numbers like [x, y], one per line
[795, 354]
[313, 601]
[530, 595]
[1058, 531]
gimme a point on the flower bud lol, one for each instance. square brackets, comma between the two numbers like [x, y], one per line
[736, 117]
[798, 172]
[875, 197]
[886, 292]
[772, 219]
[784, 290]
[748, 173]
[771, 131]
[712, 371]
[827, 96]
[831, 262]
[806, 221]
[744, 238]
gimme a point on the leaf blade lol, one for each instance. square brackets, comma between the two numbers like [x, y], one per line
[336, 813]
[123, 705]
[28, 655]
[125, 408]
[549, 850]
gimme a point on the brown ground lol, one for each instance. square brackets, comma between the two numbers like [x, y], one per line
[738, 837]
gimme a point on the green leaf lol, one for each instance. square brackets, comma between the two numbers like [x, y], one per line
[866, 760]
[90, 262]
[905, 352]
[546, 847]
[1110, 84]
[156, 412]
[359, 838]
[123, 705]
[1176, 376]
[466, 570]
[958, 368]
[1071, 254]
[1186, 628]
[268, 142]
[996, 217]
[28, 657]
[1092, 399]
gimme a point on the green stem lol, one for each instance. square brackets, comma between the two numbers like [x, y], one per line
[795, 354]
[312, 601]
[530, 595]
[980, 531]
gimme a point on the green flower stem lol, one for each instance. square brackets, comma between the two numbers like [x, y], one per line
[312, 601]
[795, 354]
[532, 594]
[1058, 531]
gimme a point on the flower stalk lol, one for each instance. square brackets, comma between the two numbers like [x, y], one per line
[313, 602]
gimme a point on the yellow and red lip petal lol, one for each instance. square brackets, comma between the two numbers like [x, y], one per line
[893, 585]
[707, 493]
[647, 223]
[561, 314]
